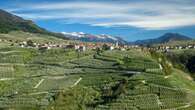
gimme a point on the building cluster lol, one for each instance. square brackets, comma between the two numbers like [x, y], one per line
[93, 46]
[81, 46]
[32, 44]
[176, 47]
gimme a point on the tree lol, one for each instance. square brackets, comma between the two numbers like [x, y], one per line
[105, 47]
[98, 51]
[30, 43]
[77, 98]
[191, 64]
[161, 58]
[112, 93]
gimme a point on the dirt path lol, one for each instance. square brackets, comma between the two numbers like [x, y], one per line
[7, 79]
[9, 52]
[38, 84]
[18, 64]
[38, 93]
[77, 82]
[181, 107]
[160, 66]
[158, 101]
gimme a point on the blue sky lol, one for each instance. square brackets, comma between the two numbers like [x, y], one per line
[129, 19]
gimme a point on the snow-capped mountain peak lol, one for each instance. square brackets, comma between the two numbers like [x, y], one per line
[108, 36]
[93, 38]
[74, 34]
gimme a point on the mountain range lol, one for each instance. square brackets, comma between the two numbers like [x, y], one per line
[10, 22]
[81, 36]
[168, 37]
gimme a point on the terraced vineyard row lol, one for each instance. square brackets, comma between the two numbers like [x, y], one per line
[112, 80]
[150, 90]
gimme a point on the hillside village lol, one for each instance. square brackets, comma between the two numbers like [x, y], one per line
[167, 48]
[52, 78]
[44, 70]
[83, 46]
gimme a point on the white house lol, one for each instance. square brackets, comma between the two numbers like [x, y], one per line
[189, 46]
[180, 47]
[167, 47]
[22, 46]
[24, 42]
[111, 47]
[122, 49]
[82, 48]
[76, 47]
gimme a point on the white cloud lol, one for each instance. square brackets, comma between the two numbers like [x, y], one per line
[146, 14]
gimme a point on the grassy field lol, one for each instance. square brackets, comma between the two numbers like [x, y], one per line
[113, 80]
[24, 36]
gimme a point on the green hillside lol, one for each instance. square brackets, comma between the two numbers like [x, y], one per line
[65, 79]
[183, 59]
[10, 22]
[113, 80]
[24, 36]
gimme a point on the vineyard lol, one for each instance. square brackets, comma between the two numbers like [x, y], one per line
[67, 80]
[150, 90]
